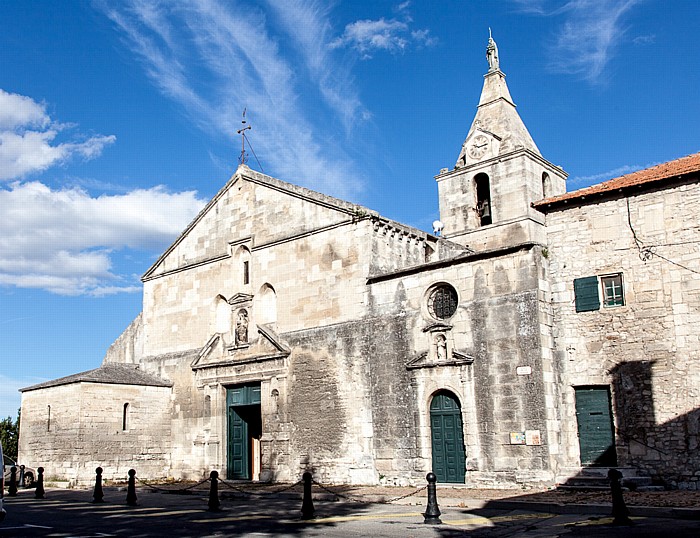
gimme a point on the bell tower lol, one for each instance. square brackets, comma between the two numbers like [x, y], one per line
[485, 199]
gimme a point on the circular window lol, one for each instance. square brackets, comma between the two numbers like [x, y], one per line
[442, 302]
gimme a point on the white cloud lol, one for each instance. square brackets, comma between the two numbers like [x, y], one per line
[308, 25]
[27, 136]
[215, 59]
[610, 174]
[20, 111]
[393, 35]
[589, 33]
[63, 241]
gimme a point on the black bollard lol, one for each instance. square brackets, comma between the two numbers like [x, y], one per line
[12, 487]
[131, 489]
[214, 504]
[39, 491]
[98, 494]
[432, 510]
[307, 505]
[619, 508]
[22, 484]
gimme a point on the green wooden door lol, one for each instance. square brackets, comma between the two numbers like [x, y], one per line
[595, 426]
[238, 456]
[243, 403]
[447, 438]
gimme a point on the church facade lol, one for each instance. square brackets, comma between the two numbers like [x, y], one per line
[540, 332]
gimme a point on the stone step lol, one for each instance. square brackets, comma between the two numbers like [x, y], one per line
[636, 482]
[600, 472]
[591, 481]
[596, 478]
[565, 487]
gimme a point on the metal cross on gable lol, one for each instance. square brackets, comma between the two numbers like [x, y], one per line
[243, 158]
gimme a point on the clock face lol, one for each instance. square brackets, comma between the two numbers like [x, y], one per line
[478, 147]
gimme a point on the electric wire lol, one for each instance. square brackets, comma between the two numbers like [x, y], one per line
[647, 252]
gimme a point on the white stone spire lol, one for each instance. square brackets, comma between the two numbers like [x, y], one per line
[497, 128]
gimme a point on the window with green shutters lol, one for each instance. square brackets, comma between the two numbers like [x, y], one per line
[588, 297]
[586, 293]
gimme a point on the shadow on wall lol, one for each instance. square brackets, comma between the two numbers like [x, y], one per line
[668, 452]
[665, 452]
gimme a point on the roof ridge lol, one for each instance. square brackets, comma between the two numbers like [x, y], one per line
[658, 172]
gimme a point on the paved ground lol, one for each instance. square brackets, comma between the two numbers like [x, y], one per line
[69, 513]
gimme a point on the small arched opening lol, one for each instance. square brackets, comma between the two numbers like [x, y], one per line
[483, 199]
[266, 311]
[125, 417]
[546, 185]
[243, 265]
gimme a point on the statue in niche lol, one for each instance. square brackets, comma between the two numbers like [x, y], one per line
[492, 54]
[441, 347]
[242, 328]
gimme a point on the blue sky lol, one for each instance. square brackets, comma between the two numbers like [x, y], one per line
[118, 120]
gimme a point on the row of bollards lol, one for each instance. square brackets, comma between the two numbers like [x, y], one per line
[432, 512]
[431, 516]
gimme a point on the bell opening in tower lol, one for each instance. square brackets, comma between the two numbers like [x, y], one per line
[483, 199]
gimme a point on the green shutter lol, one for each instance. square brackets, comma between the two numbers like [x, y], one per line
[586, 292]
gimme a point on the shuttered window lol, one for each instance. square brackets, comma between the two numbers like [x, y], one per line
[586, 293]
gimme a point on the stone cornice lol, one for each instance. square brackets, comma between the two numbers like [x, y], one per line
[481, 164]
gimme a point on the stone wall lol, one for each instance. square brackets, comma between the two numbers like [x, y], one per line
[647, 351]
[500, 325]
[72, 429]
[515, 182]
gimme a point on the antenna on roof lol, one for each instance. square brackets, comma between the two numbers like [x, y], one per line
[244, 156]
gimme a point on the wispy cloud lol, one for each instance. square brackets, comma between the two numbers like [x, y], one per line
[644, 39]
[388, 35]
[310, 30]
[588, 34]
[215, 59]
[65, 244]
[28, 138]
[584, 181]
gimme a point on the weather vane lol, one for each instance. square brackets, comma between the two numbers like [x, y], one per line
[243, 158]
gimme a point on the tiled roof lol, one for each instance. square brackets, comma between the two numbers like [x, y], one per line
[655, 174]
[115, 374]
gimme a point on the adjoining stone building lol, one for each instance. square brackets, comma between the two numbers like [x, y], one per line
[285, 331]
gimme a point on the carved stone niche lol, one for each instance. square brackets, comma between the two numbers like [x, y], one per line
[441, 350]
[440, 343]
[243, 329]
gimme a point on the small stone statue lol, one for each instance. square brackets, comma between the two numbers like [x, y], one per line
[492, 54]
[441, 344]
[242, 328]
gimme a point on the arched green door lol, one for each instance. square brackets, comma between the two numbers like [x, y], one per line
[447, 438]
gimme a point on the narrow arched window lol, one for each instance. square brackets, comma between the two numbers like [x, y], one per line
[546, 185]
[125, 417]
[266, 305]
[483, 199]
[207, 406]
[243, 261]
[48, 418]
